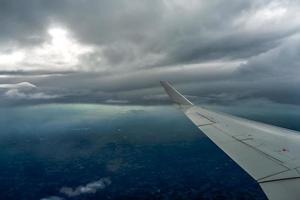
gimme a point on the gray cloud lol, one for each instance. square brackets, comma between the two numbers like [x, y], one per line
[213, 50]
[16, 73]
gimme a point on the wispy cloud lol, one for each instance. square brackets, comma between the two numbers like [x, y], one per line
[24, 90]
[17, 94]
[18, 85]
[89, 188]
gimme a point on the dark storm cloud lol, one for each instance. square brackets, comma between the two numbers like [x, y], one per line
[130, 29]
[214, 50]
[25, 22]
[156, 33]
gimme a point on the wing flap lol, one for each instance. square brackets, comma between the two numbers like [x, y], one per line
[282, 189]
[256, 163]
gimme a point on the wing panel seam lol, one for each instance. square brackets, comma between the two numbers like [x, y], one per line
[258, 150]
[280, 179]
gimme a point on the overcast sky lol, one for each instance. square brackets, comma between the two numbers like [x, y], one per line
[117, 51]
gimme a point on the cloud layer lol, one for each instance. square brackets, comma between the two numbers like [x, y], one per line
[117, 51]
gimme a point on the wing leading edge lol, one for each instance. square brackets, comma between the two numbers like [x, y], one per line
[267, 153]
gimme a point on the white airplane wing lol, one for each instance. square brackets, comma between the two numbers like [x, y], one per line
[271, 155]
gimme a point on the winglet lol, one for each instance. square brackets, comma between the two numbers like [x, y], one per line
[175, 95]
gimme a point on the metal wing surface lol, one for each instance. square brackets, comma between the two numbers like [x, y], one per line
[271, 155]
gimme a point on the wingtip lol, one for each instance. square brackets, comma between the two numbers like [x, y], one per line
[174, 94]
[163, 82]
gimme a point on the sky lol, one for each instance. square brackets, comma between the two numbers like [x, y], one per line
[115, 52]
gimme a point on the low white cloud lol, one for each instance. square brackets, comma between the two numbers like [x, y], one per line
[89, 188]
[17, 94]
[24, 90]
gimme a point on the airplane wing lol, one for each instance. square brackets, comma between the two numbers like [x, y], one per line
[271, 155]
